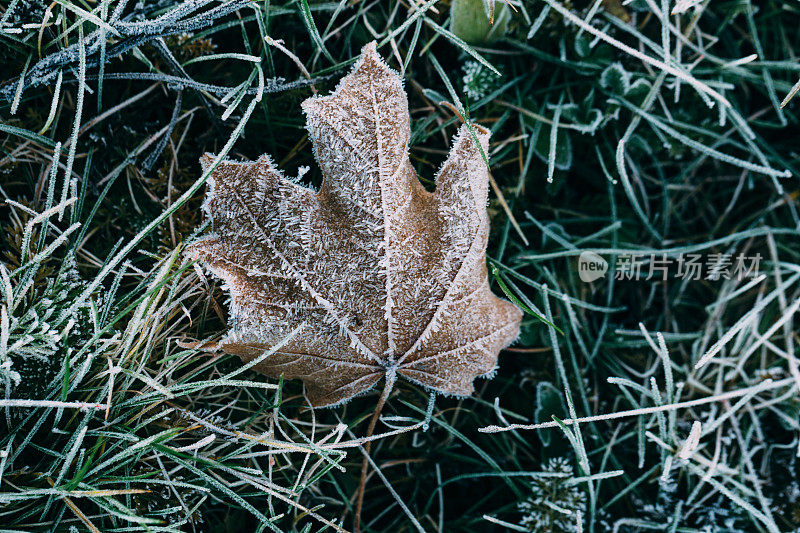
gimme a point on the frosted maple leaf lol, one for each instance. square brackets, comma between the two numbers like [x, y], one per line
[383, 277]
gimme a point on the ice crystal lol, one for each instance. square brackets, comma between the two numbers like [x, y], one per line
[555, 500]
[381, 276]
[24, 12]
[478, 81]
[38, 331]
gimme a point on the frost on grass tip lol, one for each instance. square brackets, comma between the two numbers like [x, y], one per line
[384, 277]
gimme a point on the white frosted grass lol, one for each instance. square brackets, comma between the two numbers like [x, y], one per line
[61, 239]
[663, 351]
[202, 443]
[6, 286]
[223, 487]
[595, 7]
[719, 468]
[47, 68]
[132, 449]
[756, 480]
[238, 99]
[762, 338]
[698, 85]
[551, 157]
[355, 443]
[271, 351]
[233, 92]
[625, 382]
[185, 389]
[667, 468]
[20, 85]
[741, 61]
[112, 264]
[788, 326]
[419, 11]
[733, 237]
[766, 75]
[594, 477]
[743, 322]
[141, 313]
[792, 92]
[53, 107]
[731, 495]
[277, 446]
[77, 440]
[765, 385]
[575, 436]
[4, 458]
[86, 15]
[724, 299]
[38, 218]
[707, 150]
[336, 435]
[230, 55]
[729, 413]
[692, 441]
[508, 525]
[620, 157]
[660, 420]
[681, 6]
[4, 335]
[308, 20]
[9, 10]
[176, 81]
[182, 10]
[460, 43]
[648, 338]
[393, 492]
[73, 142]
[103, 38]
[52, 404]
[115, 109]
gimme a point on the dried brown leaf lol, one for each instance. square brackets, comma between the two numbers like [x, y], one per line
[385, 277]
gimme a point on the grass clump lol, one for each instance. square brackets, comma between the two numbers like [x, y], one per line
[656, 129]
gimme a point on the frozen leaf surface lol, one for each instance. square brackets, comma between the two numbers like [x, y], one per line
[384, 277]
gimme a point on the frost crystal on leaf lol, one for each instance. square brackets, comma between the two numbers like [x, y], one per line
[384, 277]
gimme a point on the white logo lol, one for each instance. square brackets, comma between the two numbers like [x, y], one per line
[591, 266]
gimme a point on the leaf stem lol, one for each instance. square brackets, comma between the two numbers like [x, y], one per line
[387, 389]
